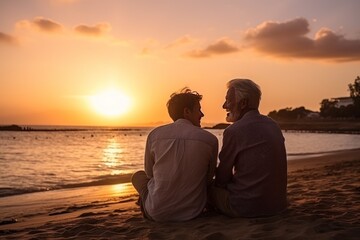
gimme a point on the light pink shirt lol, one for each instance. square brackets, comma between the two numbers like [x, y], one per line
[180, 159]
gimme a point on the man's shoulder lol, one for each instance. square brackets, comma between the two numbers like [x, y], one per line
[251, 124]
[208, 134]
[159, 130]
[202, 135]
[185, 131]
[234, 129]
[236, 126]
[197, 133]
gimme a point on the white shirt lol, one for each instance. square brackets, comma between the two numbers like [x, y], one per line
[180, 159]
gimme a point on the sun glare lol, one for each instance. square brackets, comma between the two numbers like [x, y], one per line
[110, 103]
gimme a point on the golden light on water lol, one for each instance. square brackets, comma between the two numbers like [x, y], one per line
[111, 154]
[121, 188]
[111, 103]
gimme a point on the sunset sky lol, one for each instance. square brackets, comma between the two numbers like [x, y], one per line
[62, 60]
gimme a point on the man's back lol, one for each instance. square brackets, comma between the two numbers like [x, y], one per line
[254, 145]
[177, 157]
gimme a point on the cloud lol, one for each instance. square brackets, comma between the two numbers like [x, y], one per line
[288, 39]
[42, 24]
[220, 47]
[97, 30]
[181, 41]
[47, 25]
[7, 39]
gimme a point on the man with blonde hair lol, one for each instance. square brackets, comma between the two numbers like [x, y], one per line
[251, 178]
[180, 161]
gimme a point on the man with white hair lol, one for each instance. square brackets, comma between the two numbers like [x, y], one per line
[251, 177]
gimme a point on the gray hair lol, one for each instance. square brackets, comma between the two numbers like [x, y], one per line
[246, 89]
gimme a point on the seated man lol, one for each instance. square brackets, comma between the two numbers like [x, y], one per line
[180, 161]
[251, 178]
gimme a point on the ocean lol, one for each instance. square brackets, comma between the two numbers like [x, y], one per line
[32, 161]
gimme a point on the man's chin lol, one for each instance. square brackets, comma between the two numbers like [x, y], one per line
[230, 118]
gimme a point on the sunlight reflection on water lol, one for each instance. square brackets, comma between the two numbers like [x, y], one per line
[121, 188]
[111, 154]
[43, 160]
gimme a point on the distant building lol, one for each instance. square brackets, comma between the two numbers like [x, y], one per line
[342, 101]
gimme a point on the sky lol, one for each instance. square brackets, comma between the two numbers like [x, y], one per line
[116, 62]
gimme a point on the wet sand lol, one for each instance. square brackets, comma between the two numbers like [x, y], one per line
[323, 194]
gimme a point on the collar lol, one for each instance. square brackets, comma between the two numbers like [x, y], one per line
[183, 121]
[251, 113]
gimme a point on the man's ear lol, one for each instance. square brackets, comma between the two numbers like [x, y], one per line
[187, 112]
[243, 103]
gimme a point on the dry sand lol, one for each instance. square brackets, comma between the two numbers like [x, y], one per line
[323, 193]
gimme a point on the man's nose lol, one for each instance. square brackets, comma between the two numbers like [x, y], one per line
[224, 105]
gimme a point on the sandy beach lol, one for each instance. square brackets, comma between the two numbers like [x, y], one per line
[323, 195]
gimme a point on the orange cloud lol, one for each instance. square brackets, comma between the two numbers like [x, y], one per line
[220, 47]
[288, 39]
[7, 39]
[97, 30]
[181, 41]
[42, 24]
[47, 25]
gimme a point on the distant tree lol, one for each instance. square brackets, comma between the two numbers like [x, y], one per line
[273, 115]
[327, 108]
[286, 114]
[300, 112]
[355, 95]
[355, 88]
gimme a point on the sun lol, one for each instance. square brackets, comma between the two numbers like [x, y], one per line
[111, 103]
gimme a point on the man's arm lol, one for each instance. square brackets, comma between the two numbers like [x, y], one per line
[148, 159]
[224, 171]
[212, 164]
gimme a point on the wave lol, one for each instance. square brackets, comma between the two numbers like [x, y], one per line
[98, 181]
[5, 192]
[321, 152]
[102, 180]
[292, 156]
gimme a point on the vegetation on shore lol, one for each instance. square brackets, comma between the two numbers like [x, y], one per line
[333, 116]
[11, 128]
[343, 108]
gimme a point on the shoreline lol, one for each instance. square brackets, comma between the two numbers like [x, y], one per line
[126, 177]
[323, 193]
[325, 159]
